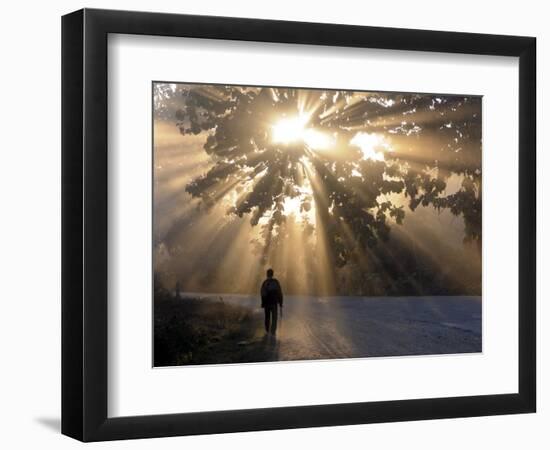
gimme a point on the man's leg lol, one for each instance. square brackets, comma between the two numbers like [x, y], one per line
[274, 320]
[266, 312]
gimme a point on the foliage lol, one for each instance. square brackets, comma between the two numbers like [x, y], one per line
[428, 138]
[198, 331]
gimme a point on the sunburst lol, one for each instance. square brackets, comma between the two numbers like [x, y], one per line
[291, 130]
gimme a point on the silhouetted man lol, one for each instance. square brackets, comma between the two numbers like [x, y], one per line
[272, 295]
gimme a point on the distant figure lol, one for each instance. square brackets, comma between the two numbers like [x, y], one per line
[178, 290]
[272, 295]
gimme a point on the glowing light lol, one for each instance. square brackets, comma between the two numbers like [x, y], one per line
[293, 129]
[292, 206]
[289, 130]
[301, 206]
[317, 140]
[372, 145]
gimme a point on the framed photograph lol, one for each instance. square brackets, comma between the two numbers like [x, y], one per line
[273, 224]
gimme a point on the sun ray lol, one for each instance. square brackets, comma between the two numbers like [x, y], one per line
[309, 176]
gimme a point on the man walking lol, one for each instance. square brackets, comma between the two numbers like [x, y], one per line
[272, 296]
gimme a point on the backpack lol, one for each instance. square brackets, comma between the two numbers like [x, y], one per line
[272, 291]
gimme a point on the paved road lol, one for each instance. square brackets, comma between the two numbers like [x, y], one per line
[344, 327]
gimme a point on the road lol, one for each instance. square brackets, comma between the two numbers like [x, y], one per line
[351, 327]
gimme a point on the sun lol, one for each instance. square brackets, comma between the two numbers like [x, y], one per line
[289, 130]
[294, 130]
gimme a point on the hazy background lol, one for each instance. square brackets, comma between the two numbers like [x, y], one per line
[208, 249]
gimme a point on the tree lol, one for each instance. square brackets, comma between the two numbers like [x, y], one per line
[341, 157]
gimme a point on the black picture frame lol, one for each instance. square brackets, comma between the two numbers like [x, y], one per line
[84, 224]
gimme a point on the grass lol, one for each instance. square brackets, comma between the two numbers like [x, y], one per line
[202, 331]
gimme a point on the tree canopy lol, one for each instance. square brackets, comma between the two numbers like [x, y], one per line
[343, 163]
